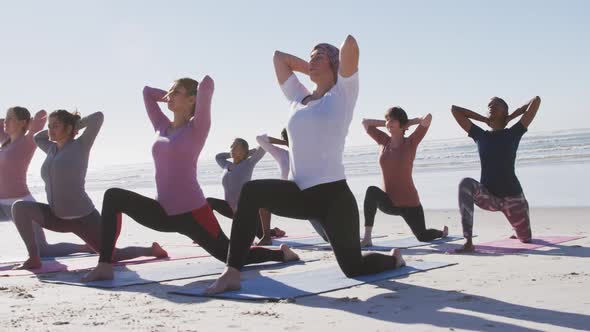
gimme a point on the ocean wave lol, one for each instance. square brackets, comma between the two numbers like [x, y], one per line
[556, 147]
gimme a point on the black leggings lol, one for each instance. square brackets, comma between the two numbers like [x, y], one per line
[200, 225]
[414, 216]
[223, 208]
[333, 204]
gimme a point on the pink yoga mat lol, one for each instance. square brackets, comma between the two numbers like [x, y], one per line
[72, 263]
[85, 263]
[289, 237]
[176, 252]
[510, 246]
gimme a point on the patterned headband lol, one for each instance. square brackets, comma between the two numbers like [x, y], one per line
[333, 54]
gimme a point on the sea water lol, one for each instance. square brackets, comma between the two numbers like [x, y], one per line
[551, 166]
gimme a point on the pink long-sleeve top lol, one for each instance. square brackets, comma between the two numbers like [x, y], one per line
[15, 159]
[176, 155]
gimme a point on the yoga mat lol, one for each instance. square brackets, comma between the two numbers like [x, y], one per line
[301, 242]
[325, 279]
[153, 273]
[306, 241]
[4, 260]
[405, 243]
[88, 262]
[510, 246]
[85, 262]
[284, 238]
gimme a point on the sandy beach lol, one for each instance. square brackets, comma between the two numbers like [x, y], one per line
[540, 290]
[151, 97]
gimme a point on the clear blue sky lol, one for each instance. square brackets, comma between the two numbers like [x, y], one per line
[422, 55]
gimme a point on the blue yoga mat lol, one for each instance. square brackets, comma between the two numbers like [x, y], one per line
[307, 283]
[305, 242]
[311, 241]
[155, 272]
[405, 243]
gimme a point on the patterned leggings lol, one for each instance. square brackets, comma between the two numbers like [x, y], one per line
[515, 208]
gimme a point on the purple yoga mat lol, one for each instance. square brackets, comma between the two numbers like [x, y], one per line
[86, 263]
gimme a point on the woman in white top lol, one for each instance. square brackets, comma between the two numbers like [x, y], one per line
[281, 156]
[317, 128]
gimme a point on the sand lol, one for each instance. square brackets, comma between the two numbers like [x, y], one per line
[541, 290]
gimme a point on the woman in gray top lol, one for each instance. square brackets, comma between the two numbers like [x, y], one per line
[69, 209]
[235, 175]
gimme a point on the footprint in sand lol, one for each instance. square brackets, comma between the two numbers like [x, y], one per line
[348, 299]
[18, 292]
[261, 313]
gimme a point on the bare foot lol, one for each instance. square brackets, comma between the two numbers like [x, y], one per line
[103, 271]
[445, 231]
[290, 255]
[158, 251]
[399, 260]
[467, 248]
[228, 281]
[366, 242]
[30, 264]
[279, 232]
[265, 241]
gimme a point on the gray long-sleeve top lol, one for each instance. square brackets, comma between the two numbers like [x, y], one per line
[64, 170]
[236, 175]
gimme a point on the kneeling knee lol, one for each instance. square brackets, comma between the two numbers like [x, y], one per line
[422, 238]
[525, 239]
[351, 271]
[351, 274]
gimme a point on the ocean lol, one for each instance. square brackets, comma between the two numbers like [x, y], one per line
[552, 168]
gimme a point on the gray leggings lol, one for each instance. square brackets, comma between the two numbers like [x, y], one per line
[87, 228]
[45, 249]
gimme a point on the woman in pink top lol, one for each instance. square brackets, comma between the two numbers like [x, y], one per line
[180, 205]
[16, 151]
[396, 159]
